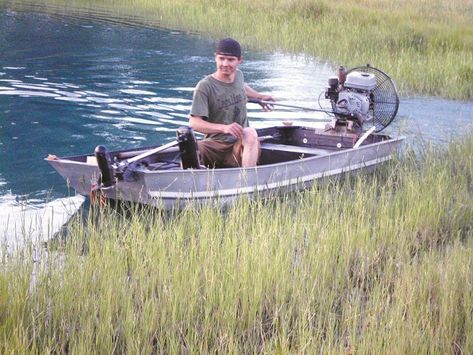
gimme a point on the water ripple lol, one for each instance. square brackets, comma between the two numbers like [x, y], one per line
[137, 92]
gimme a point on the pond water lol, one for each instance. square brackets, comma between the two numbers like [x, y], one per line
[68, 84]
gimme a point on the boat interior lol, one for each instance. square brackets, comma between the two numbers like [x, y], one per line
[278, 144]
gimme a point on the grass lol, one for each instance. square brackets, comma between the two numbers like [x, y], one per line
[377, 263]
[427, 46]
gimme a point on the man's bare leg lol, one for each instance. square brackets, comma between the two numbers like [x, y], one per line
[251, 148]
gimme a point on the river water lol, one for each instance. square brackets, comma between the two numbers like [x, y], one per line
[69, 83]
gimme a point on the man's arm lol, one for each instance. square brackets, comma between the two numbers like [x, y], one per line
[253, 94]
[200, 125]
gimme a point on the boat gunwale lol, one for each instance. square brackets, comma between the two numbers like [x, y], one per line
[70, 161]
[298, 161]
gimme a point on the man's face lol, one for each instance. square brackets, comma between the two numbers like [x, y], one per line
[227, 64]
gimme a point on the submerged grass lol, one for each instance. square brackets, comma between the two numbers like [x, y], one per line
[427, 46]
[376, 263]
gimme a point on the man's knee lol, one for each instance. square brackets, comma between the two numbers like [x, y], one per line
[250, 136]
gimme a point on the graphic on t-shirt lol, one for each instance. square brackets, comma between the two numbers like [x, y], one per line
[230, 100]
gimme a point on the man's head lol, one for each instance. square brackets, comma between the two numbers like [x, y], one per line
[227, 57]
[228, 47]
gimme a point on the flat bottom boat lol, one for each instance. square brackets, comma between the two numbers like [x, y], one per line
[292, 158]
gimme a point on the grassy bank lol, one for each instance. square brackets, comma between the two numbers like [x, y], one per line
[375, 264]
[427, 46]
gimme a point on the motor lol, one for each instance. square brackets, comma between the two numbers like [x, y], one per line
[353, 98]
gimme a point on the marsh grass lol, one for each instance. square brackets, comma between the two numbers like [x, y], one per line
[377, 263]
[427, 46]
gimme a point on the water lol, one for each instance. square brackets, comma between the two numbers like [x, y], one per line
[68, 84]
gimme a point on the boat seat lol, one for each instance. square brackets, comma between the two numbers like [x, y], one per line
[295, 149]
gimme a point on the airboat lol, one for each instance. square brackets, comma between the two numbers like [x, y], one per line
[363, 102]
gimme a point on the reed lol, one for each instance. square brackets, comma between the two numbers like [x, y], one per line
[376, 263]
[426, 45]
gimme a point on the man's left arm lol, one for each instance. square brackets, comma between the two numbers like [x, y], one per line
[253, 94]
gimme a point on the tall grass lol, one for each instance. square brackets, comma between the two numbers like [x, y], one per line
[373, 264]
[427, 46]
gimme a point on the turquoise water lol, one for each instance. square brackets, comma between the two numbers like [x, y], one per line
[68, 84]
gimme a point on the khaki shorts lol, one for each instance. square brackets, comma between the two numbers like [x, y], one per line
[216, 154]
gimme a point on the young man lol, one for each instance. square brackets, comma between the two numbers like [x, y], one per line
[219, 111]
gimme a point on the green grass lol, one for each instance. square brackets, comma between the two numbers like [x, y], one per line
[377, 263]
[426, 46]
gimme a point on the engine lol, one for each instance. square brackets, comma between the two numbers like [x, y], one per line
[351, 96]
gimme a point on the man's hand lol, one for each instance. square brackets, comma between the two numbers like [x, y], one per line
[253, 94]
[266, 107]
[200, 125]
[234, 129]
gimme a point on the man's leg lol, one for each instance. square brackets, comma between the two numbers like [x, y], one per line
[214, 154]
[251, 148]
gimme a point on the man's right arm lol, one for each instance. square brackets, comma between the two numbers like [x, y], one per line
[200, 125]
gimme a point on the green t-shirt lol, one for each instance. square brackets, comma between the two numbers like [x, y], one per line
[220, 102]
